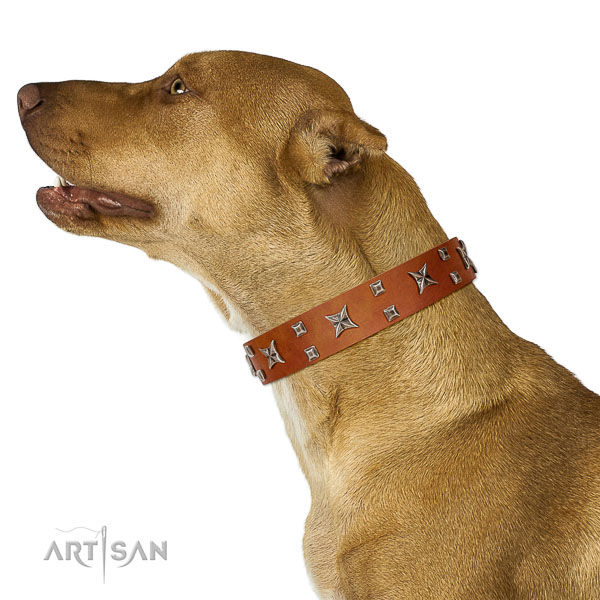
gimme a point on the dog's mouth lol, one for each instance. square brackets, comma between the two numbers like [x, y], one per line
[66, 199]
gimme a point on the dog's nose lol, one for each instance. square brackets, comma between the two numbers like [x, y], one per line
[28, 98]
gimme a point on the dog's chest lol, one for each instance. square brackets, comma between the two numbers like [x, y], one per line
[311, 456]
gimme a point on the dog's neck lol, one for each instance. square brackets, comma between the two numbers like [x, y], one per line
[423, 371]
[383, 212]
[364, 223]
[375, 221]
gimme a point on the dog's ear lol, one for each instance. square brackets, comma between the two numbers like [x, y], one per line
[327, 143]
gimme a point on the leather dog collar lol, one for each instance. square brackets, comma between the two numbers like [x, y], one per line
[360, 312]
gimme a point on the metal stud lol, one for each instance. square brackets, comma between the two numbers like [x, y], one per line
[422, 278]
[249, 351]
[252, 369]
[341, 321]
[391, 312]
[443, 252]
[299, 328]
[273, 357]
[261, 375]
[377, 288]
[312, 353]
[456, 278]
[462, 250]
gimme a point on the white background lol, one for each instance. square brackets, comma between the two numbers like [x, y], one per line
[106, 416]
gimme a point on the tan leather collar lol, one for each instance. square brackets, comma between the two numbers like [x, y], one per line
[360, 312]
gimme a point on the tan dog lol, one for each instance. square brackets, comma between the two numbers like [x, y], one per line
[447, 457]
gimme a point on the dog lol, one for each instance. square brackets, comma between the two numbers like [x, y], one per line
[446, 456]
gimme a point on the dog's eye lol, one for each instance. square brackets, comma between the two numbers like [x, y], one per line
[178, 87]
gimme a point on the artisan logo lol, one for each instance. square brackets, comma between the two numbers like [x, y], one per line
[99, 551]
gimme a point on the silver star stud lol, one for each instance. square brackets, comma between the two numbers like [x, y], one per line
[341, 321]
[272, 355]
[423, 278]
[462, 250]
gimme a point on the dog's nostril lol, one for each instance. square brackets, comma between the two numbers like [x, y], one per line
[28, 98]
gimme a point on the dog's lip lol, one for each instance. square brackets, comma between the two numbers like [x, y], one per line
[85, 204]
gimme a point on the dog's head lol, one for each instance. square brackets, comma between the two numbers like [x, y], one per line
[205, 166]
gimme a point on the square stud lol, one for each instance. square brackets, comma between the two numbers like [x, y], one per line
[252, 369]
[443, 252]
[391, 313]
[249, 351]
[456, 278]
[311, 352]
[299, 328]
[261, 375]
[377, 288]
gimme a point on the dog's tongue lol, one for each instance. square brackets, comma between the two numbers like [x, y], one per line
[85, 204]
